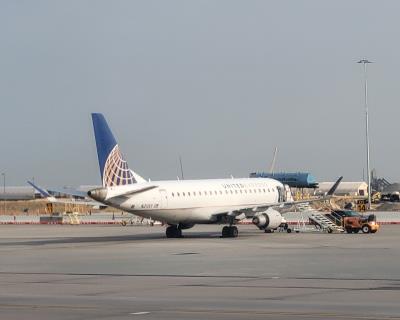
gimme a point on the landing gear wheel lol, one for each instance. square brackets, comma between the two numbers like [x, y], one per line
[173, 232]
[366, 229]
[234, 232]
[230, 232]
[225, 232]
[285, 226]
[356, 230]
[288, 230]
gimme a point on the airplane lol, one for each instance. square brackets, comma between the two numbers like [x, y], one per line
[181, 204]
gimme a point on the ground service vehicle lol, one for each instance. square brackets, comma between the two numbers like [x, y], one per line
[353, 221]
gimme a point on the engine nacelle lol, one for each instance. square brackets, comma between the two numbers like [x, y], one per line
[184, 226]
[268, 220]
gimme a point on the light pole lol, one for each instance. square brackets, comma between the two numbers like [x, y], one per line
[365, 62]
[4, 191]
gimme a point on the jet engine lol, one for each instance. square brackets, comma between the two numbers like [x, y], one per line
[268, 220]
[183, 226]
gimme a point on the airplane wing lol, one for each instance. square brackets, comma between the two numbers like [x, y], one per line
[249, 212]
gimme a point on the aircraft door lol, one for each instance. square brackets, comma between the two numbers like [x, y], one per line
[163, 199]
[281, 194]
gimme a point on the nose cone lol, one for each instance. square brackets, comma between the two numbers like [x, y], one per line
[98, 194]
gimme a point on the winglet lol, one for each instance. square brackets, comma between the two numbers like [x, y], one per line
[334, 187]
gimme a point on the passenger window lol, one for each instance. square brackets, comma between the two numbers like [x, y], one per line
[183, 193]
[236, 191]
[220, 192]
[177, 194]
[264, 190]
[205, 192]
[269, 190]
[231, 192]
[172, 194]
[194, 193]
[249, 190]
[215, 192]
[199, 193]
[189, 194]
[226, 191]
[241, 191]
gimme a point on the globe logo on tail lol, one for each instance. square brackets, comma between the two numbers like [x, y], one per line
[116, 171]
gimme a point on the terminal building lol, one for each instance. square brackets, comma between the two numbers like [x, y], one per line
[17, 193]
[298, 180]
[29, 193]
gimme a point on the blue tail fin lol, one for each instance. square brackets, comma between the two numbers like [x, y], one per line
[114, 169]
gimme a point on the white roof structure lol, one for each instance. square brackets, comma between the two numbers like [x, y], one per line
[17, 193]
[359, 188]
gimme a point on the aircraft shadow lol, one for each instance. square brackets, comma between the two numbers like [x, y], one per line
[122, 238]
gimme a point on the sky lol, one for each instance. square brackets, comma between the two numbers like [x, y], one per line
[220, 83]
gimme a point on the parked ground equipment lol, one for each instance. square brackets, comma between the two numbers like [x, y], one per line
[353, 222]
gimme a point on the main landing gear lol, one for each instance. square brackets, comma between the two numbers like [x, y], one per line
[230, 232]
[174, 232]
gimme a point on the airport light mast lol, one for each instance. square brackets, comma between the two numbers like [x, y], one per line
[4, 191]
[365, 62]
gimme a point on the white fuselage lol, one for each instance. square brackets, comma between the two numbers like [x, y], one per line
[193, 201]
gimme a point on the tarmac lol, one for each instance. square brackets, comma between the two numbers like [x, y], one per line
[114, 272]
[382, 217]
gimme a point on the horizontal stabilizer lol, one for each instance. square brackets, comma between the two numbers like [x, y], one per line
[131, 192]
[103, 194]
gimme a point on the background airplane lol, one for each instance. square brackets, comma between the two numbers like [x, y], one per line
[49, 195]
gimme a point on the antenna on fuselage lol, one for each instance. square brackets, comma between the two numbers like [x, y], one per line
[180, 162]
